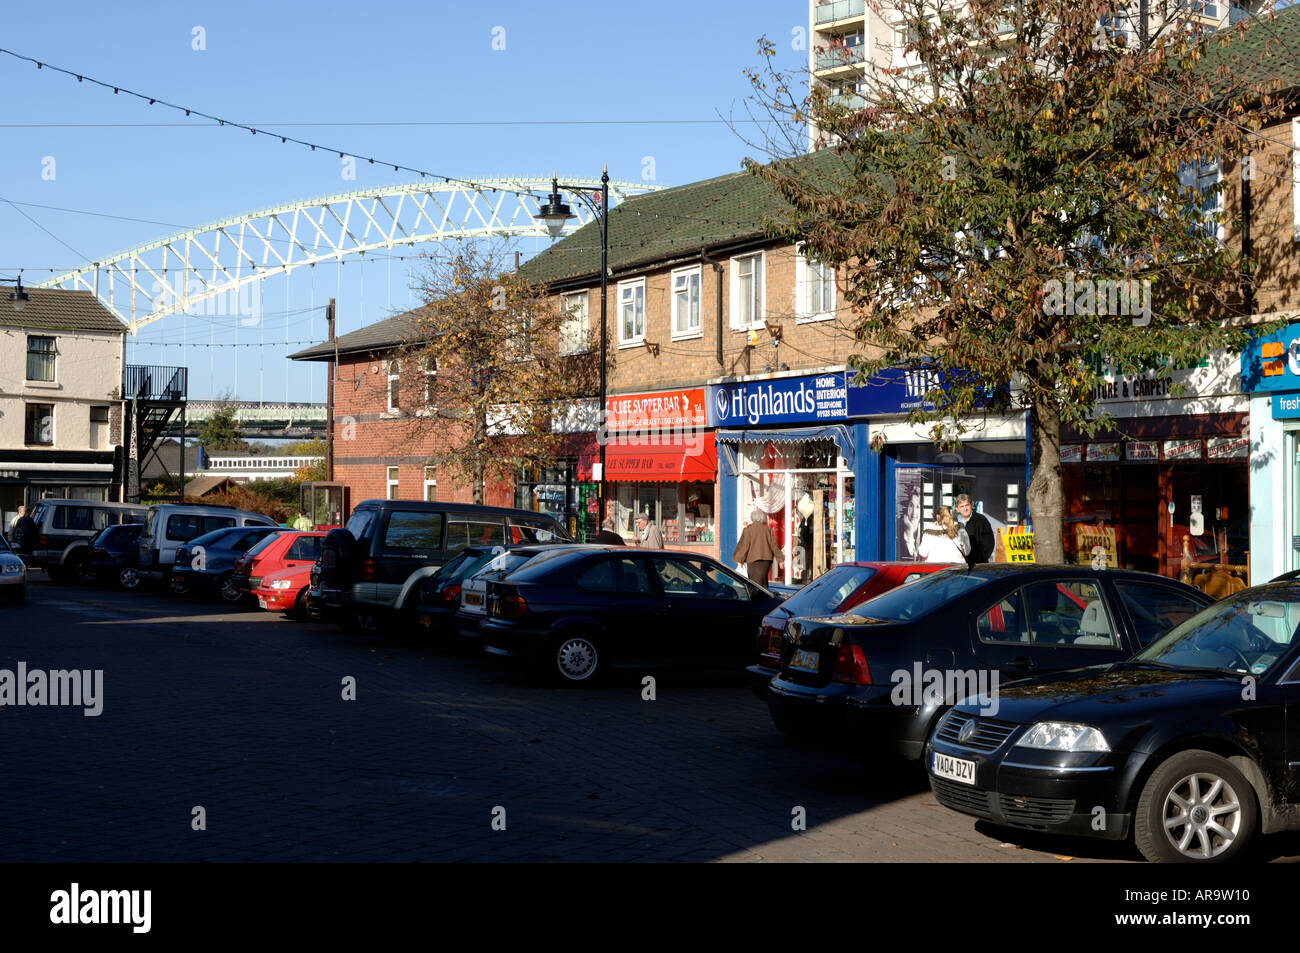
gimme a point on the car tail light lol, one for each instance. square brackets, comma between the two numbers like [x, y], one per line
[851, 665]
[451, 595]
[769, 645]
[512, 605]
[367, 573]
[45, 541]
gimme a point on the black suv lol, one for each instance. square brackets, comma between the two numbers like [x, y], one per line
[371, 569]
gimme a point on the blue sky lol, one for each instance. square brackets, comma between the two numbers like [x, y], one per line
[332, 63]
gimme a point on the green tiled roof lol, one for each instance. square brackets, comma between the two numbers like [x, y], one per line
[1257, 50]
[661, 226]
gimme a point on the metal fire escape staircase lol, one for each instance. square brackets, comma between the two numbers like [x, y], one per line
[155, 398]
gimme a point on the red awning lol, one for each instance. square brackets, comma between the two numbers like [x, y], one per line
[658, 463]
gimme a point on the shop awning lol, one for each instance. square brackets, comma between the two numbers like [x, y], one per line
[656, 463]
[841, 434]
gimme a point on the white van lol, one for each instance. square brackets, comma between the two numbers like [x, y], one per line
[168, 525]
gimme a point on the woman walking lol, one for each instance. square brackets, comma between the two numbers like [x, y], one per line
[945, 541]
[757, 548]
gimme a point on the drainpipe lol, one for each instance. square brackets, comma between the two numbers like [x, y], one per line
[717, 273]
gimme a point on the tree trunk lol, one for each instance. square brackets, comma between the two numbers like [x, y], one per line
[1044, 493]
[480, 475]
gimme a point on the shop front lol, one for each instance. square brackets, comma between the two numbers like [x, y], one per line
[1165, 488]
[27, 477]
[787, 450]
[661, 461]
[918, 477]
[1270, 377]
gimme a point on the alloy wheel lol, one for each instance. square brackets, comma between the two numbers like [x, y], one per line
[576, 658]
[230, 592]
[1202, 816]
[129, 578]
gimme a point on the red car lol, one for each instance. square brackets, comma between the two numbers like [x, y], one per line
[840, 589]
[285, 590]
[285, 550]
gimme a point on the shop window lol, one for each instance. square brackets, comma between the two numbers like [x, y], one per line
[684, 511]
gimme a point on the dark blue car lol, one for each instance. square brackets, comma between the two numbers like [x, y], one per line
[206, 563]
[582, 609]
[113, 555]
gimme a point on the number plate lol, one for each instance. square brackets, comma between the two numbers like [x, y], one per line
[261, 602]
[805, 661]
[954, 769]
[425, 619]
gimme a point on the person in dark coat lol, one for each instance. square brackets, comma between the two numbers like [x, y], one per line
[608, 536]
[25, 534]
[978, 530]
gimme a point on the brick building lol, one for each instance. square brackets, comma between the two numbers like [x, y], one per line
[387, 433]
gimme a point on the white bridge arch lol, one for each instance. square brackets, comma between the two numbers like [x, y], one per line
[173, 275]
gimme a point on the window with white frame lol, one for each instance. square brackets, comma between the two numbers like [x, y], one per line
[392, 483]
[394, 385]
[576, 325]
[430, 483]
[747, 291]
[1200, 180]
[430, 382]
[40, 357]
[814, 289]
[686, 302]
[631, 312]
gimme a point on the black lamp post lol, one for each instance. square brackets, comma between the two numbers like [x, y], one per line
[18, 296]
[555, 214]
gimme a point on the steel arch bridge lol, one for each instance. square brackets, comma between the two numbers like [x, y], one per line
[212, 263]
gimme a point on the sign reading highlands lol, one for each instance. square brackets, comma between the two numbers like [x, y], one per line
[784, 400]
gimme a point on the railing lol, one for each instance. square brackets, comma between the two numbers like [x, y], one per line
[152, 382]
[826, 12]
[839, 56]
[259, 463]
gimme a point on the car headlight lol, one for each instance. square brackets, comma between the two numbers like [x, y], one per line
[280, 584]
[13, 569]
[1062, 736]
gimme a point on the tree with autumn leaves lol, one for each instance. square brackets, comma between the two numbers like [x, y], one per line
[491, 342]
[1030, 195]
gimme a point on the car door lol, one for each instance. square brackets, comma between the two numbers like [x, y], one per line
[409, 540]
[1153, 608]
[1289, 687]
[712, 614]
[1048, 625]
[303, 551]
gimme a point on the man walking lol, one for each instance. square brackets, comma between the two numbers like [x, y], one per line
[647, 533]
[757, 548]
[978, 530]
[608, 536]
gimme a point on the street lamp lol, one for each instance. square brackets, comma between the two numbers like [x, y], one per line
[18, 296]
[555, 214]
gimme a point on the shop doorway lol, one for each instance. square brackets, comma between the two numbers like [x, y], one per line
[808, 501]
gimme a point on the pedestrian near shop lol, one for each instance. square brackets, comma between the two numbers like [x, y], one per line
[647, 533]
[757, 548]
[608, 535]
[24, 534]
[978, 530]
[946, 541]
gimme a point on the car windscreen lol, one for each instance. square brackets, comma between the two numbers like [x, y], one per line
[540, 564]
[1249, 632]
[921, 597]
[828, 592]
[498, 564]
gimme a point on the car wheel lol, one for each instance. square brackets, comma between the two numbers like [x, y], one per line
[129, 578]
[177, 585]
[576, 659]
[227, 589]
[1195, 807]
[299, 610]
[80, 570]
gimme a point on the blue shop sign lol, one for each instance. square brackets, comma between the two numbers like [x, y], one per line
[1286, 406]
[895, 390]
[786, 400]
[1272, 362]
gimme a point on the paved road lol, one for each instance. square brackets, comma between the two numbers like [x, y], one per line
[241, 713]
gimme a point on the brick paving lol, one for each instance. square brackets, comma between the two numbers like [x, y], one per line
[240, 712]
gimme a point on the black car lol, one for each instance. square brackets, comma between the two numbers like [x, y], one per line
[206, 563]
[371, 569]
[878, 676]
[440, 594]
[581, 610]
[1192, 746]
[113, 555]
